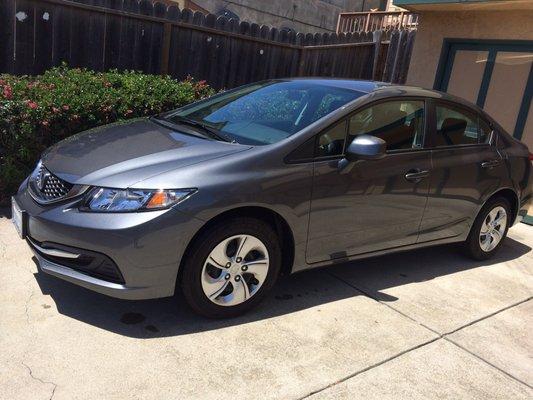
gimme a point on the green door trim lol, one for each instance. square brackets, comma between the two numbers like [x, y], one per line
[485, 81]
[528, 219]
[524, 107]
[447, 58]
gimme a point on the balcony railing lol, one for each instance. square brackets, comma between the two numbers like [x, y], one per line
[376, 20]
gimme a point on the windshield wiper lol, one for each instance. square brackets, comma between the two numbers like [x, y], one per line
[170, 125]
[205, 128]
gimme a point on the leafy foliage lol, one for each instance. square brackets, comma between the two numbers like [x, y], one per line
[36, 112]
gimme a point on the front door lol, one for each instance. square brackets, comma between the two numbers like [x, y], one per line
[366, 206]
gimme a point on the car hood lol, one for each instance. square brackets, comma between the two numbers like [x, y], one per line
[125, 153]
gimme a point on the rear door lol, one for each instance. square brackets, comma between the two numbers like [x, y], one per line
[466, 168]
[370, 205]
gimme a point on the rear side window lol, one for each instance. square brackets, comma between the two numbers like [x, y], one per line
[459, 127]
[485, 131]
[400, 123]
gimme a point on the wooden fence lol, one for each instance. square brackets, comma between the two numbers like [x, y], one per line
[159, 39]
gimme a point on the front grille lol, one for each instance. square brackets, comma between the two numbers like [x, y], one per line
[48, 187]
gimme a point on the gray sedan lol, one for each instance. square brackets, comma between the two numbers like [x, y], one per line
[222, 196]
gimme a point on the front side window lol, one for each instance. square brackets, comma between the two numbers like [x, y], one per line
[400, 123]
[266, 112]
[330, 143]
[459, 127]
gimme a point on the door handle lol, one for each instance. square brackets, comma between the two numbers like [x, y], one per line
[416, 175]
[490, 164]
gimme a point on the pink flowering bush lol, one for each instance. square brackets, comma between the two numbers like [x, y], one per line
[36, 112]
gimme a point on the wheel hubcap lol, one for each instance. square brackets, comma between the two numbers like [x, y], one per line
[235, 270]
[493, 229]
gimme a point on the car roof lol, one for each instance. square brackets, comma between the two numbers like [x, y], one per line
[385, 88]
[381, 90]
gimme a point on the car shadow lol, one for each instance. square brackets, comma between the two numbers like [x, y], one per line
[172, 317]
[5, 212]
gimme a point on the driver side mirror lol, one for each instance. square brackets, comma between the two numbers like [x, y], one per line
[366, 147]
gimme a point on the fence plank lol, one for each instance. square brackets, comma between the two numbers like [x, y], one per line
[283, 67]
[113, 29]
[391, 55]
[377, 50]
[78, 38]
[208, 49]
[402, 41]
[61, 35]
[173, 14]
[128, 37]
[156, 46]
[244, 60]
[274, 53]
[144, 38]
[44, 16]
[182, 52]
[24, 34]
[219, 62]
[265, 52]
[406, 57]
[231, 80]
[95, 38]
[255, 31]
[197, 48]
[7, 31]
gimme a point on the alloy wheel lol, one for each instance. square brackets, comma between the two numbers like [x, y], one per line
[235, 270]
[493, 229]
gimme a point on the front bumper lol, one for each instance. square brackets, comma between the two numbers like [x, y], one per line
[145, 247]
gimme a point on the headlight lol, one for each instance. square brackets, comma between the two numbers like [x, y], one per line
[124, 200]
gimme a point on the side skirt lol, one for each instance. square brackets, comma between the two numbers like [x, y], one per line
[327, 263]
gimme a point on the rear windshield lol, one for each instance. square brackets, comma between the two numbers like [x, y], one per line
[266, 112]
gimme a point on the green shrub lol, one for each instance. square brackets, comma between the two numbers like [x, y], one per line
[36, 112]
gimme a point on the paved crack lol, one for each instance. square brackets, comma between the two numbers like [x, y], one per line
[489, 315]
[487, 362]
[386, 360]
[54, 386]
[27, 306]
[440, 336]
[365, 293]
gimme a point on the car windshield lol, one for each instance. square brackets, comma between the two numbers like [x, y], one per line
[266, 112]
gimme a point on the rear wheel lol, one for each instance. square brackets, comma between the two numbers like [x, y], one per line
[231, 267]
[489, 229]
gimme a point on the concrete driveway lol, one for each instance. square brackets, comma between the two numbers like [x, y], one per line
[425, 324]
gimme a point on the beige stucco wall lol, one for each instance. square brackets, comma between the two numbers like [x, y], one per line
[434, 26]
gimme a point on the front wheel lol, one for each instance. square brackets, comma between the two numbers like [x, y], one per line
[489, 229]
[231, 267]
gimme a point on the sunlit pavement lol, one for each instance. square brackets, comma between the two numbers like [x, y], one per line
[424, 324]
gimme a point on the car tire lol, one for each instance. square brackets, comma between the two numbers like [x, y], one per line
[204, 269]
[481, 245]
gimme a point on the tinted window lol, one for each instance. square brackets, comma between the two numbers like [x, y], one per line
[484, 131]
[305, 152]
[331, 142]
[267, 112]
[400, 123]
[457, 126]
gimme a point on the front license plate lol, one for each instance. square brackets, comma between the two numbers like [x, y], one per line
[18, 218]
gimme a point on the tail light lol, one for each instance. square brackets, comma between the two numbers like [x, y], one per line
[530, 156]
